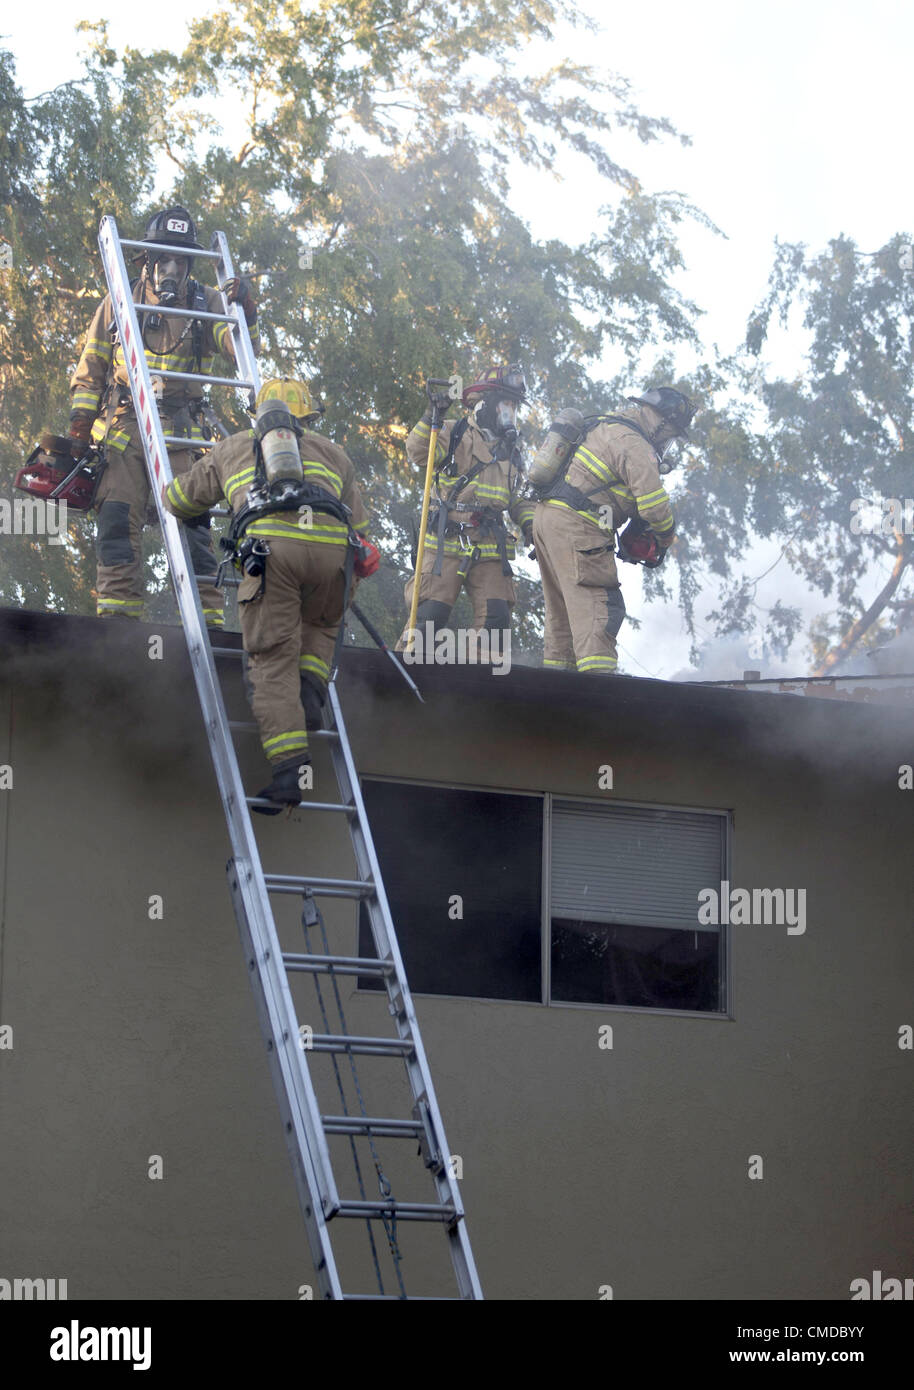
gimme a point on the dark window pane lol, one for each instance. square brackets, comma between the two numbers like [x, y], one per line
[434, 844]
[646, 967]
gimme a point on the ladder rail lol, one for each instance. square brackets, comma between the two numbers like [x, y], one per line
[402, 1008]
[305, 1130]
[311, 1160]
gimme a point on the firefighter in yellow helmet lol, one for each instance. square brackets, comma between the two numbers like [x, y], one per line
[102, 410]
[297, 534]
[478, 477]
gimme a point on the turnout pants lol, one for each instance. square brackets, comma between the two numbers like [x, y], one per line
[584, 605]
[490, 591]
[289, 631]
[123, 504]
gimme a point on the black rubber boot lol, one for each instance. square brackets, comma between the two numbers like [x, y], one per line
[284, 789]
[313, 698]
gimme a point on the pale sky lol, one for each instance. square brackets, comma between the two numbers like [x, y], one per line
[800, 117]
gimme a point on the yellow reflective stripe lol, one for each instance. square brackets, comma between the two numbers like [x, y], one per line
[220, 330]
[661, 526]
[238, 480]
[525, 512]
[316, 665]
[103, 603]
[313, 469]
[585, 516]
[178, 498]
[290, 742]
[651, 497]
[334, 533]
[558, 665]
[598, 663]
[85, 400]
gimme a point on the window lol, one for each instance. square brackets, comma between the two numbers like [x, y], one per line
[463, 874]
[624, 906]
[615, 924]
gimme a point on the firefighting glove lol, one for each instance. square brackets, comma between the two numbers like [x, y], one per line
[240, 291]
[367, 560]
[81, 428]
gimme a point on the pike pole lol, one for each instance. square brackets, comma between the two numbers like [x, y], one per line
[437, 398]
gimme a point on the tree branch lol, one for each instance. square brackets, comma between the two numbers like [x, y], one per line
[865, 621]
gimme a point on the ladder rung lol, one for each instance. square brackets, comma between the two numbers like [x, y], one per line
[366, 1047]
[164, 246]
[200, 376]
[394, 1298]
[190, 443]
[295, 883]
[363, 1124]
[169, 312]
[341, 965]
[326, 806]
[205, 578]
[403, 1211]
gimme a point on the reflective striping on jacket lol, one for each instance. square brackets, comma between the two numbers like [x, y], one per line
[237, 480]
[488, 550]
[606, 531]
[323, 529]
[600, 471]
[176, 496]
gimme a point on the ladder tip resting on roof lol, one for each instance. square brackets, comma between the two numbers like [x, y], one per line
[270, 967]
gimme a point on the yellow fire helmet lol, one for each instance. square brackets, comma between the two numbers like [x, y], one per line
[293, 393]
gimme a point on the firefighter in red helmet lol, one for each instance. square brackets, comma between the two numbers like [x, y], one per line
[478, 477]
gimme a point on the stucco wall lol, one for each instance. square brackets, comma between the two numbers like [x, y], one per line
[582, 1166]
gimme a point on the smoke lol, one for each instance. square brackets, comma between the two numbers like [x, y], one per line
[726, 659]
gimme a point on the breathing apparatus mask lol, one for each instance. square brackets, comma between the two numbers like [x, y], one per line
[169, 278]
[499, 417]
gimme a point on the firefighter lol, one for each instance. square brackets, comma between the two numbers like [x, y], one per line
[102, 410]
[612, 474]
[297, 516]
[478, 476]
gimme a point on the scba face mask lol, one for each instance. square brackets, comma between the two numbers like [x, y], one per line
[169, 278]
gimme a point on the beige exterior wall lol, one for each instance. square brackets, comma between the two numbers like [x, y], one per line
[583, 1167]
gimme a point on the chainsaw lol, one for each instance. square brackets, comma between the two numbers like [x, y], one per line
[62, 469]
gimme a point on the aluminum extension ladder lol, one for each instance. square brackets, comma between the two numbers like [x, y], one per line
[306, 1129]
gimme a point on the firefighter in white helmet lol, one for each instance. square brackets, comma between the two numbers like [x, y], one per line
[478, 477]
[102, 409]
[297, 535]
[591, 476]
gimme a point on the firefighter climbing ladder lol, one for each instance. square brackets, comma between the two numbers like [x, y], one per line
[305, 1127]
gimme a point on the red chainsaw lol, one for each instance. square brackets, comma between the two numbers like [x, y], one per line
[62, 470]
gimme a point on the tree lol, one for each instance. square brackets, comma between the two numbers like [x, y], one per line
[841, 436]
[366, 181]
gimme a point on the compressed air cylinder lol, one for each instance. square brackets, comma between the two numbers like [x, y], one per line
[279, 443]
[552, 457]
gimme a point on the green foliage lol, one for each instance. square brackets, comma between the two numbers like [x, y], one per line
[379, 136]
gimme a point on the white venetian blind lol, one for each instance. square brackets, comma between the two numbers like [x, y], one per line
[634, 866]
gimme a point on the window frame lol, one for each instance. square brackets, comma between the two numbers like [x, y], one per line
[548, 798]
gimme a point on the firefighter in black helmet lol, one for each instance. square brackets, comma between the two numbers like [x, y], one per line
[102, 410]
[611, 477]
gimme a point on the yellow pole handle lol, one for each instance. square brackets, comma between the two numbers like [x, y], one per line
[420, 552]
